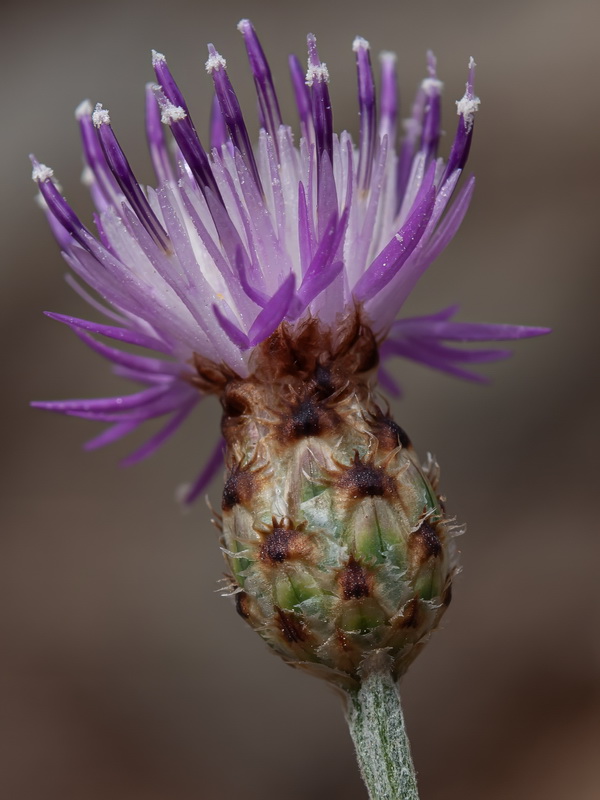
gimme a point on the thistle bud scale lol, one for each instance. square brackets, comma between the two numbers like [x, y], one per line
[334, 534]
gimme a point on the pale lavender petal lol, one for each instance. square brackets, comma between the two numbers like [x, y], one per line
[389, 97]
[105, 310]
[389, 383]
[110, 435]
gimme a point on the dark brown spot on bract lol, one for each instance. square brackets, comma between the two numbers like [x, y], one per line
[425, 542]
[242, 604]
[354, 581]
[239, 488]
[410, 614]
[283, 544]
[390, 434]
[447, 596]
[324, 382]
[309, 417]
[361, 479]
[290, 626]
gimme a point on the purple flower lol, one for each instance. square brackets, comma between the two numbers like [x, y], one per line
[239, 238]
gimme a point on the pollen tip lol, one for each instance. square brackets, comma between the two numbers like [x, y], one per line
[157, 58]
[360, 44]
[432, 86]
[244, 26]
[466, 108]
[87, 176]
[40, 172]
[84, 109]
[387, 57]
[100, 116]
[215, 60]
[472, 63]
[169, 112]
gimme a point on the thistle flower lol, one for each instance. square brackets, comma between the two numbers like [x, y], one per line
[271, 276]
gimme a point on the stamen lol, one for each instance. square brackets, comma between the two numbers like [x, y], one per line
[231, 110]
[302, 97]
[218, 128]
[94, 157]
[465, 108]
[165, 78]
[317, 78]
[263, 80]
[156, 139]
[432, 88]
[120, 168]
[389, 97]
[366, 100]
[57, 205]
[189, 143]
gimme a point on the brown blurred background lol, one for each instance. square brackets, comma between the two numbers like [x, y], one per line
[124, 675]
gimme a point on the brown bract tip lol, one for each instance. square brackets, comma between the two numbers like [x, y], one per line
[290, 625]
[284, 542]
[240, 487]
[361, 479]
[354, 580]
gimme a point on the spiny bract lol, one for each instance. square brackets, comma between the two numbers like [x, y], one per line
[337, 542]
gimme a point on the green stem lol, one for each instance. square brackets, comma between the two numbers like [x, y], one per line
[377, 728]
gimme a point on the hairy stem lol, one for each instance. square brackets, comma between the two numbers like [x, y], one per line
[377, 728]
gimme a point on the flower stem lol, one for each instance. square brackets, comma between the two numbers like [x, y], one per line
[377, 728]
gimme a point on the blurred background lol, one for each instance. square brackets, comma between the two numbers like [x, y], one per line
[123, 674]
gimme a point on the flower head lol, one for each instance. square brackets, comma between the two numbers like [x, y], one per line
[241, 239]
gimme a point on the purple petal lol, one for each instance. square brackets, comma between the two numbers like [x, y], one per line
[388, 383]
[423, 355]
[389, 98]
[215, 460]
[156, 139]
[218, 128]
[103, 404]
[366, 101]
[156, 441]
[302, 97]
[141, 363]
[395, 254]
[110, 435]
[120, 168]
[237, 336]
[273, 313]
[120, 334]
[263, 81]
[317, 78]
[231, 110]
